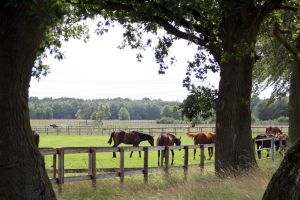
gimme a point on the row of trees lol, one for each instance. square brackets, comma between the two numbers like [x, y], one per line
[145, 109]
[118, 108]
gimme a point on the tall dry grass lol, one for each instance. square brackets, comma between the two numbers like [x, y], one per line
[198, 186]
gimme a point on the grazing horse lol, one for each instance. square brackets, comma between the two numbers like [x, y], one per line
[273, 130]
[36, 138]
[167, 139]
[281, 143]
[263, 143]
[53, 125]
[132, 137]
[203, 138]
[280, 138]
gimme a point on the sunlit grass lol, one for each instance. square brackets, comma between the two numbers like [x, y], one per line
[198, 186]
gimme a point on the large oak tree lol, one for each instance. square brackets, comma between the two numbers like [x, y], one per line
[227, 30]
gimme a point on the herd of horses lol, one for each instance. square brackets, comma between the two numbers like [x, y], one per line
[168, 139]
[263, 140]
[164, 139]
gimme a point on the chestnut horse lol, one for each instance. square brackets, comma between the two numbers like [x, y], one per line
[203, 138]
[167, 139]
[132, 137]
[36, 138]
[273, 130]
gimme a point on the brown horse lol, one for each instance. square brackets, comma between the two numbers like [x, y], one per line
[132, 137]
[273, 130]
[203, 138]
[36, 138]
[167, 139]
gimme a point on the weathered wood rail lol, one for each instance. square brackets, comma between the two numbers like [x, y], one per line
[94, 130]
[59, 177]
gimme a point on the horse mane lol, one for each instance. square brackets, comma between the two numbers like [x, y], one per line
[173, 136]
[142, 135]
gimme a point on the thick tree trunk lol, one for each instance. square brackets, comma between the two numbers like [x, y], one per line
[234, 146]
[285, 183]
[294, 99]
[21, 169]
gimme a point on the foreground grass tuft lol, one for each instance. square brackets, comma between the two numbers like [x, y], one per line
[198, 186]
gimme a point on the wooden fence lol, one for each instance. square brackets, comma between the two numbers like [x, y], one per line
[93, 173]
[58, 176]
[88, 130]
[271, 148]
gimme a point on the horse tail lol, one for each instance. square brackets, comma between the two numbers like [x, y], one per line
[191, 134]
[111, 136]
[279, 131]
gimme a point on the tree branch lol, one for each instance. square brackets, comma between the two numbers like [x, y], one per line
[292, 49]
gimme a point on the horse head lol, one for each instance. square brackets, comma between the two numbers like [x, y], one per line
[177, 141]
[151, 140]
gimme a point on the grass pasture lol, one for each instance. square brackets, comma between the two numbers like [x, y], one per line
[198, 186]
[105, 160]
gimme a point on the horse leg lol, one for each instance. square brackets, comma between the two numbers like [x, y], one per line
[210, 152]
[258, 152]
[172, 156]
[195, 154]
[158, 155]
[114, 153]
[162, 158]
[132, 151]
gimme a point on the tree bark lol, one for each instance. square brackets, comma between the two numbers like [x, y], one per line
[285, 183]
[294, 99]
[234, 146]
[22, 173]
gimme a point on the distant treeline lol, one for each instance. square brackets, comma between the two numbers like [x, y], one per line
[117, 108]
[145, 109]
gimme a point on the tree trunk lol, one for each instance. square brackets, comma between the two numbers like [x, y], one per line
[285, 183]
[22, 173]
[294, 99]
[234, 146]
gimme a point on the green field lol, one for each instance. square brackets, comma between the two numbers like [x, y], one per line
[105, 160]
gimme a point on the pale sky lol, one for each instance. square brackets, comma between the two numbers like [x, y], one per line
[98, 69]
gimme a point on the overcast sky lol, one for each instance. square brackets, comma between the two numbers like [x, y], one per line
[98, 69]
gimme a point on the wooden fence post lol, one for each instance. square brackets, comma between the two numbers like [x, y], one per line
[186, 161]
[202, 157]
[121, 173]
[272, 147]
[92, 166]
[146, 163]
[61, 167]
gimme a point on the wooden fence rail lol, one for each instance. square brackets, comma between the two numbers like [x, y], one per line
[88, 130]
[59, 177]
